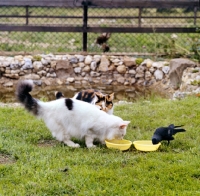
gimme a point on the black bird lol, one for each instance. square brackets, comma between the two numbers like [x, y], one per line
[105, 47]
[165, 133]
[103, 38]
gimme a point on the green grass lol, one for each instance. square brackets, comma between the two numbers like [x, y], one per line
[39, 165]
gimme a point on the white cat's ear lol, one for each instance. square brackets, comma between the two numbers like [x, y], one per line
[125, 123]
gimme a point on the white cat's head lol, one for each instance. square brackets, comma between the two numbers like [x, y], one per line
[119, 131]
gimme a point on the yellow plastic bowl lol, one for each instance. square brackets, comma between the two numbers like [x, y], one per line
[146, 145]
[118, 144]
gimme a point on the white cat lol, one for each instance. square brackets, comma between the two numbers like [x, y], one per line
[70, 118]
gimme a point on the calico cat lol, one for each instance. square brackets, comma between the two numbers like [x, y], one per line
[102, 101]
[71, 118]
[59, 95]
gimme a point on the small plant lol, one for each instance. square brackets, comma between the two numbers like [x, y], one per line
[195, 83]
[139, 61]
[195, 71]
[37, 58]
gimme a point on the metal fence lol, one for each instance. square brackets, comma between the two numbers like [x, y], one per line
[96, 26]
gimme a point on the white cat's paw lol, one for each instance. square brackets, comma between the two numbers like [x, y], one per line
[72, 144]
[91, 146]
[76, 146]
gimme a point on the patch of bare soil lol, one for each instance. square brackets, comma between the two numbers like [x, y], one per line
[47, 143]
[5, 159]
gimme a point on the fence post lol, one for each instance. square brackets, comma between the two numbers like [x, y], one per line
[140, 17]
[27, 15]
[195, 15]
[85, 19]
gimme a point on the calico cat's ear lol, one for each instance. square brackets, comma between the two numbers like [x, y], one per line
[124, 124]
[110, 97]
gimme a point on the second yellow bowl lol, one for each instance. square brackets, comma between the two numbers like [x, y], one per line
[146, 145]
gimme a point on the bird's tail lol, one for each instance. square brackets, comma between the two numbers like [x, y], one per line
[178, 126]
[178, 130]
[23, 96]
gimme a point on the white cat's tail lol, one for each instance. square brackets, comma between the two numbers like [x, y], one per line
[23, 96]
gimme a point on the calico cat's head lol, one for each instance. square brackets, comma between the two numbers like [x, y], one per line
[104, 101]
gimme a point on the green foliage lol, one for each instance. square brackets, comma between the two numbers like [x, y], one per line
[195, 71]
[139, 61]
[195, 83]
[37, 58]
[43, 166]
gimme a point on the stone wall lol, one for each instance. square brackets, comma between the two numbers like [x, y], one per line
[63, 69]
[176, 76]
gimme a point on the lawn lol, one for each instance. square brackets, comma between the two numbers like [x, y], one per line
[34, 163]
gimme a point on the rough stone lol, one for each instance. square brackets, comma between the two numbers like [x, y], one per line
[111, 67]
[11, 76]
[94, 74]
[121, 69]
[132, 81]
[81, 64]
[129, 61]
[104, 64]
[148, 63]
[177, 66]
[44, 61]
[19, 57]
[158, 74]
[132, 72]
[73, 60]
[31, 77]
[64, 69]
[88, 59]
[97, 58]
[8, 84]
[86, 69]
[53, 64]
[77, 70]
[166, 69]
[81, 58]
[37, 82]
[70, 79]
[51, 75]
[148, 75]
[93, 65]
[42, 73]
[37, 65]
[159, 64]
[27, 64]
[121, 80]
[5, 63]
